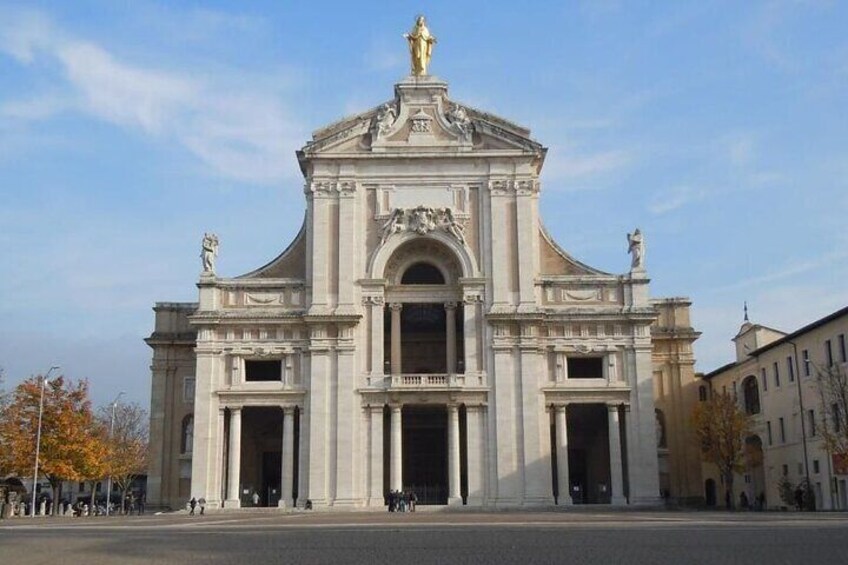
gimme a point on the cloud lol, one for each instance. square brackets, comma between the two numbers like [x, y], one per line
[825, 261]
[586, 165]
[237, 132]
[673, 199]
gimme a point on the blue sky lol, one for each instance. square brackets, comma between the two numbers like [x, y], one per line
[129, 129]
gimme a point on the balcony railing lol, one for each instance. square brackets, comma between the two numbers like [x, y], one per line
[413, 381]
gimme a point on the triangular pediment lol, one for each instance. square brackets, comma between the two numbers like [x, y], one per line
[421, 119]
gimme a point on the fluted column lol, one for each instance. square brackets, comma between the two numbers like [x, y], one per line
[450, 336]
[396, 471]
[376, 495]
[287, 482]
[616, 475]
[396, 343]
[234, 472]
[454, 493]
[220, 495]
[563, 479]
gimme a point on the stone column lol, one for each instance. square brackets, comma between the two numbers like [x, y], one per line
[470, 318]
[396, 343]
[563, 479]
[376, 495]
[234, 473]
[616, 475]
[377, 309]
[220, 495]
[450, 336]
[475, 446]
[287, 481]
[396, 471]
[454, 493]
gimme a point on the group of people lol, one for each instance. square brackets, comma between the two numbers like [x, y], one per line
[194, 503]
[402, 501]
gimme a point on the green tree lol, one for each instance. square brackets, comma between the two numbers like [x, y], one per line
[722, 427]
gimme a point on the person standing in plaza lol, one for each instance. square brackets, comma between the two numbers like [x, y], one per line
[192, 503]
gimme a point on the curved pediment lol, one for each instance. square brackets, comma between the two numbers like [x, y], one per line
[420, 119]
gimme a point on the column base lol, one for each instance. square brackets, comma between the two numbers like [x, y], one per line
[282, 503]
[455, 501]
[618, 501]
[376, 502]
[538, 501]
[565, 500]
[475, 501]
[234, 503]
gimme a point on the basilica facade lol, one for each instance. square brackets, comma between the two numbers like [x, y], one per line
[423, 332]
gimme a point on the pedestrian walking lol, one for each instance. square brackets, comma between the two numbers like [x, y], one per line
[202, 503]
[413, 501]
[255, 498]
[192, 503]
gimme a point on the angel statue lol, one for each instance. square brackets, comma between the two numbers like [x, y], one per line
[420, 46]
[636, 248]
[393, 225]
[386, 117]
[209, 252]
[452, 226]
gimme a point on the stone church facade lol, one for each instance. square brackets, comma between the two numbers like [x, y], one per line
[423, 332]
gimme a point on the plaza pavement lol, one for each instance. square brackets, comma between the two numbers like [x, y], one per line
[572, 536]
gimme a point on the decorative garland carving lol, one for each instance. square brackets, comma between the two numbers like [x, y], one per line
[422, 220]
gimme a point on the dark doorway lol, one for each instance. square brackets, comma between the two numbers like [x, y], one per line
[588, 453]
[710, 492]
[425, 453]
[272, 463]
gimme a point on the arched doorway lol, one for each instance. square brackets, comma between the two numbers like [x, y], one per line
[755, 482]
[710, 492]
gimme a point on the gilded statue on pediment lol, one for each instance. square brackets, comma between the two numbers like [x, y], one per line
[420, 46]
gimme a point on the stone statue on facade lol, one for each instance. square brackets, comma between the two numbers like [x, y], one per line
[209, 250]
[393, 225]
[450, 225]
[420, 46]
[386, 117]
[458, 118]
[636, 248]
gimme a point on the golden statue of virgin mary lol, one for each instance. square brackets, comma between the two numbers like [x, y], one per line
[420, 46]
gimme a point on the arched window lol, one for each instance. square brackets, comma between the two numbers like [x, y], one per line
[187, 435]
[661, 439]
[751, 394]
[702, 393]
[422, 273]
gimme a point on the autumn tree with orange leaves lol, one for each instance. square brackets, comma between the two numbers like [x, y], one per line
[127, 444]
[71, 438]
[722, 428]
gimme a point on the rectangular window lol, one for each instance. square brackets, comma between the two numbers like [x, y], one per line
[843, 355]
[735, 394]
[263, 370]
[188, 389]
[585, 368]
[811, 416]
[806, 356]
[768, 430]
[836, 415]
[785, 470]
[765, 378]
[81, 487]
[790, 369]
[98, 487]
[782, 431]
[776, 374]
[828, 353]
[816, 468]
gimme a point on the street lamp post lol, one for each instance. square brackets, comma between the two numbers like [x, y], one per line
[111, 431]
[44, 380]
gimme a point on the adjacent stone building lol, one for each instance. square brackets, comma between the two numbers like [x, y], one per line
[776, 379]
[422, 332]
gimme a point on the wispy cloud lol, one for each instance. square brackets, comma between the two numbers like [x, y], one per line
[588, 164]
[674, 198]
[237, 132]
[824, 261]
